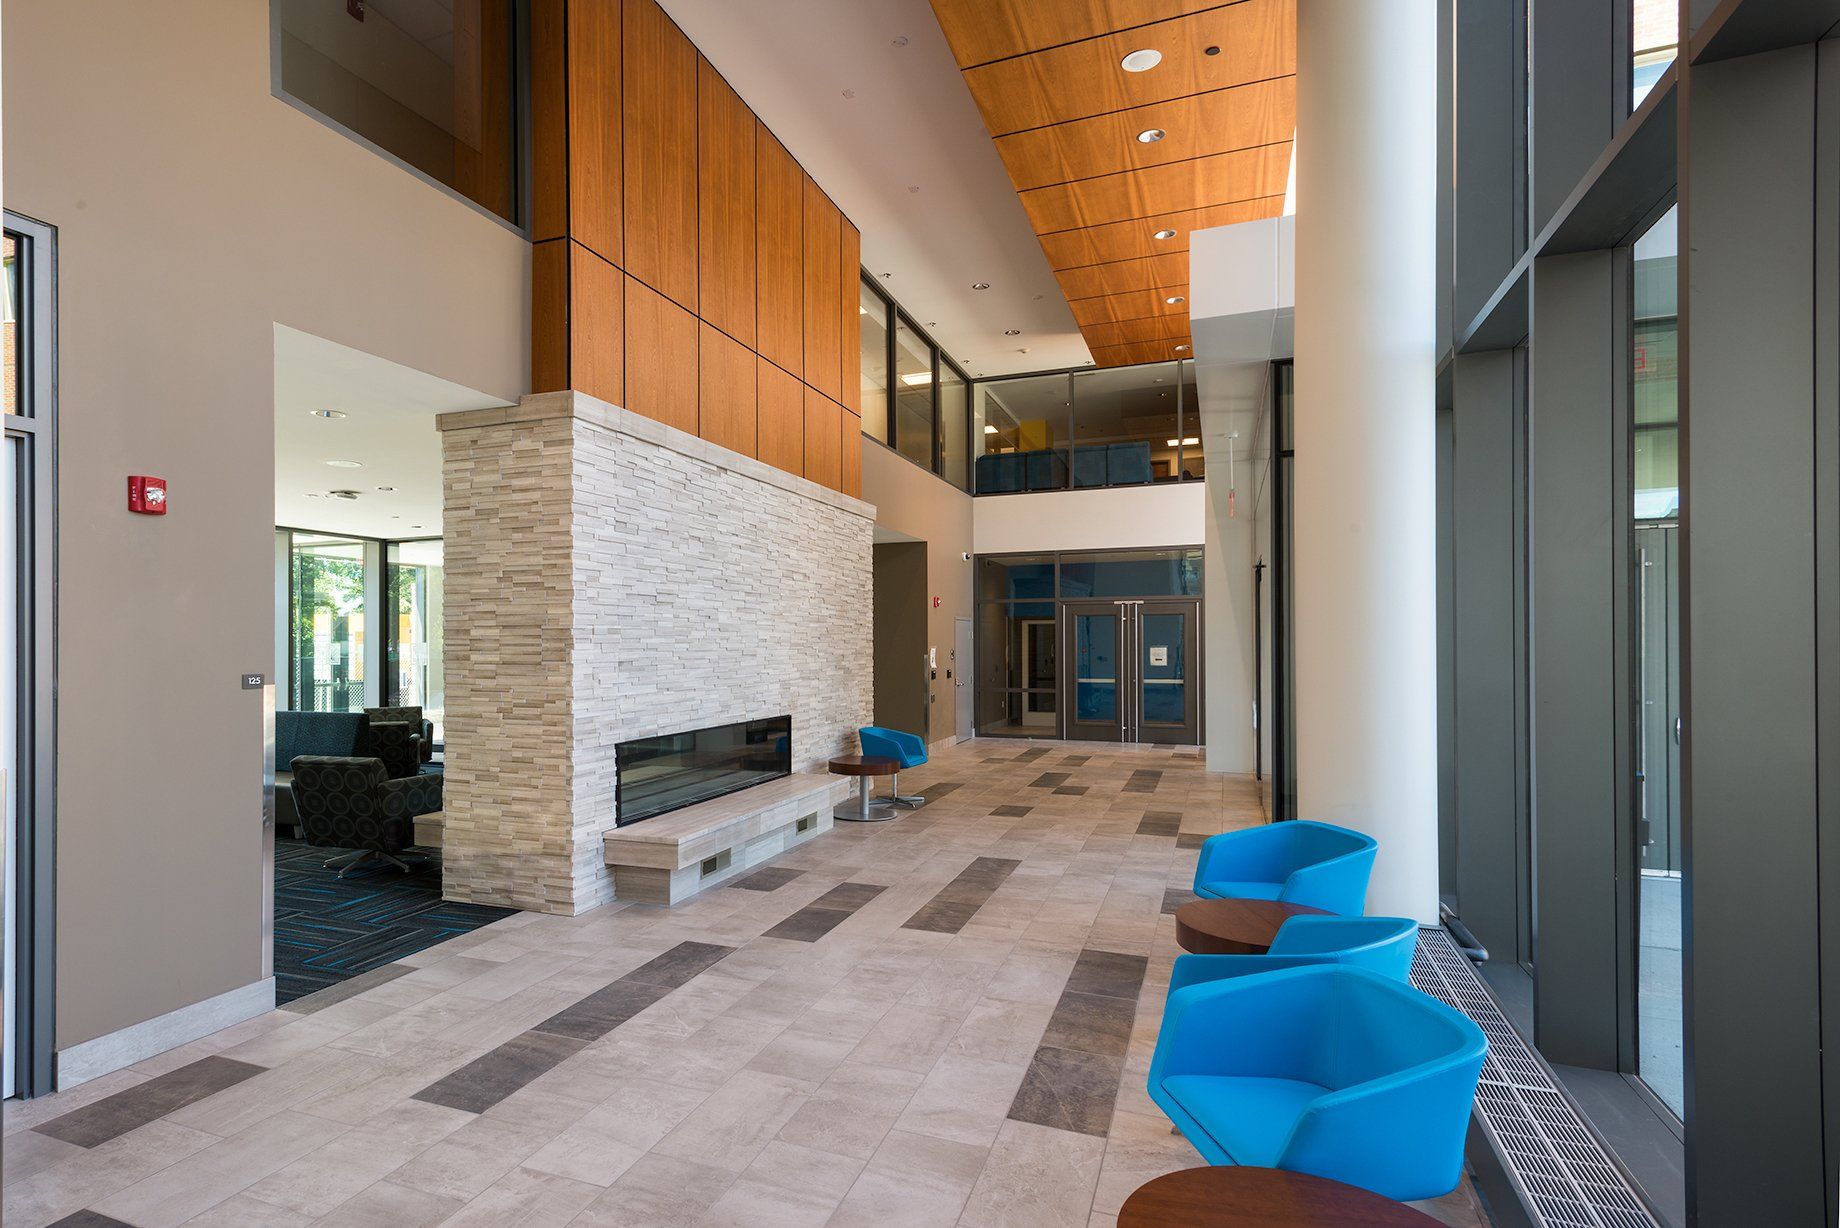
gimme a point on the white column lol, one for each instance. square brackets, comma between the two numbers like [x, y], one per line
[1365, 524]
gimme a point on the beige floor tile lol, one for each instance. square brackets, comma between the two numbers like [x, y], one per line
[202, 1180]
[243, 1211]
[464, 1163]
[913, 1181]
[332, 1174]
[388, 1205]
[528, 1199]
[964, 1099]
[79, 1181]
[852, 1112]
[734, 1125]
[657, 1192]
[1036, 1177]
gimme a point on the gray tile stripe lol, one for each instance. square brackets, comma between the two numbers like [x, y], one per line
[1030, 755]
[113, 1116]
[1072, 1081]
[90, 1219]
[1011, 812]
[1160, 823]
[1190, 839]
[1071, 790]
[825, 913]
[1049, 780]
[1075, 760]
[492, 1076]
[958, 901]
[770, 879]
[934, 792]
[1175, 897]
[1144, 780]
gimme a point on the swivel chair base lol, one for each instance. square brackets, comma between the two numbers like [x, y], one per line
[894, 794]
[363, 860]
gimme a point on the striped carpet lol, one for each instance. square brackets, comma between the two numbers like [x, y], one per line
[329, 928]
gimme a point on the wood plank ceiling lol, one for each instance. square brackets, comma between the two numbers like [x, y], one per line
[1066, 118]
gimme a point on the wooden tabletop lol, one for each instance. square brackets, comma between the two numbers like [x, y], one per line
[1234, 927]
[1228, 1197]
[865, 765]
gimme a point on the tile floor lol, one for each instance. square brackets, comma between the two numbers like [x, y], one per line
[943, 1019]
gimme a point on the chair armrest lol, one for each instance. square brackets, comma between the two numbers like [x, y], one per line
[1401, 1135]
[1342, 878]
[1223, 1028]
[1205, 969]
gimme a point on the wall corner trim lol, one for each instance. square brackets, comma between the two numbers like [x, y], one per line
[539, 406]
[140, 1041]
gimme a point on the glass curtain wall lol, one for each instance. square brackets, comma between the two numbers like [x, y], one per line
[326, 631]
[433, 85]
[1654, 37]
[954, 428]
[414, 649]
[913, 394]
[1112, 426]
[1655, 423]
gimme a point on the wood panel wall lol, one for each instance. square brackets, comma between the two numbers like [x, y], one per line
[685, 266]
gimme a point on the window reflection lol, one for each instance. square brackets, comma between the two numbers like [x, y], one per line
[417, 664]
[326, 633]
[430, 83]
[1655, 35]
[1128, 428]
[913, 397]
[872, 314]
[1021, 429]
[954, 424]
[1655, 424]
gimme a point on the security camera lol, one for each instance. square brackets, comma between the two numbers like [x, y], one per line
[967, 557]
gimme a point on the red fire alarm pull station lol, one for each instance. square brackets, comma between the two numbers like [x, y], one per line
[147, 495]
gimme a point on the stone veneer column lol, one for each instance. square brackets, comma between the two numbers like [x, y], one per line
[609, 578]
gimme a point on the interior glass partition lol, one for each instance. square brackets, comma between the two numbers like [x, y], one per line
[1129, 425]
[433, 85]
[872, 314]
[954, 428]
[913, 394]
[414, 650]
[1023, 433]
[1655, 422]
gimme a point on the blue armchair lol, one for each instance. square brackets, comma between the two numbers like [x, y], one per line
[1383, 945]
[1298, 862]
[1332, 1071]
[906, 748]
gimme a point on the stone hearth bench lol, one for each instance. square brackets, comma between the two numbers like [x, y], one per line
[670, 858]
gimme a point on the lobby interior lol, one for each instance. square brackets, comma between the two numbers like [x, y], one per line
[948, 612]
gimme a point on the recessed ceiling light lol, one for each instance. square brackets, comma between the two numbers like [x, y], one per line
[885, 275]
[345, 464]
[914, 379]
[1181, 349]
[1211, 51]
[1164, 234]
[990, 430]
[1173, 299]
[932, 323]
[1142, 60]
[386, 489]
[1150, 136]
[327, 413]
[1187, 441]
[980, 285]
[1012, 332]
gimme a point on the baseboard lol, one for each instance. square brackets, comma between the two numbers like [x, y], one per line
[941, 744]
[140, 1041]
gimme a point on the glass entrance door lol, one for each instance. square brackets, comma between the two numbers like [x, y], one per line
[1094, 639]
[1134, 671]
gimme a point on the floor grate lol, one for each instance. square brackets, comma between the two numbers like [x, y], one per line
[1564, 1175]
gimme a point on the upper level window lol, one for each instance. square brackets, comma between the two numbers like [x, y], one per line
[1109, 426]
[432, 83]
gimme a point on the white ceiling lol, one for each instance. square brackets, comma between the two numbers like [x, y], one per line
[866, 95]
[388, 428]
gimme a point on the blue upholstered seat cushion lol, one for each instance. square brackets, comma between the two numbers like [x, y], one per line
[1240, 890]
[1251, 1119]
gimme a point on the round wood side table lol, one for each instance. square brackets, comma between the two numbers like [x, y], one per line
[1235, 927]
[865, 768]
[1226, 1196]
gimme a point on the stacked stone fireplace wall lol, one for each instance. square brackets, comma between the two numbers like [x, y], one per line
[610, 578]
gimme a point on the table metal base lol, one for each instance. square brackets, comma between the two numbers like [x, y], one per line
[867, 809]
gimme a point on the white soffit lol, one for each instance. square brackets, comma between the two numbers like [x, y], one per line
[388, 428]
[867, 96]
[1242, 295]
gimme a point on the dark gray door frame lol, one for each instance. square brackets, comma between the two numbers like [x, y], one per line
[35, 523]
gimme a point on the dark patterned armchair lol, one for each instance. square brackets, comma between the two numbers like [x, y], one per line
[396, 743]
[352, 803]
[412, 717]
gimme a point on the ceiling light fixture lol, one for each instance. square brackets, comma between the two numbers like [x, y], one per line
[1150, 136]
[1181, 349]
[887, 275]
[1012, 332]
[1211, 51]
[1173, 299]
[1189, 441]
[1141, 60]
[980, 285]
[327, 413]
[1164, 234]
[386, 489]
[990, 430]
[345, 464]
[915, 379]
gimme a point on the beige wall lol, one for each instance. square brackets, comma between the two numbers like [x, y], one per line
[910, 501]
[195, 211]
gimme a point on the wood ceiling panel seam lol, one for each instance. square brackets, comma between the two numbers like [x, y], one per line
[1095, 241]
[1165, 291]
[1084, 38]
[1143, 106]
[1071, 203]
[1155, 166]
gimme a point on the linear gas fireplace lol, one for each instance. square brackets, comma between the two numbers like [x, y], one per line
[661, 774]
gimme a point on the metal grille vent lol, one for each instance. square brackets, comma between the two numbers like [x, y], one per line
[1562, 1172]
